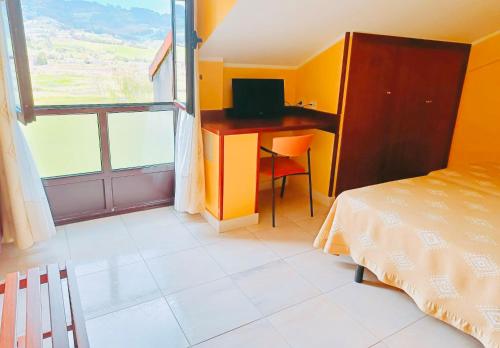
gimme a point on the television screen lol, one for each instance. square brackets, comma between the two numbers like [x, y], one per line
[258, 97]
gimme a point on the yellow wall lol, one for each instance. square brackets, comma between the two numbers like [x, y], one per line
[210, 75]
[211, 161]
[240, 174]
[319, 79]
[260, 73]
[477, 132]
[209, 15]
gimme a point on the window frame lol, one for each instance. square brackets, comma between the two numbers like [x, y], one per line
[25, 111]
[190, 43]
[29, 110]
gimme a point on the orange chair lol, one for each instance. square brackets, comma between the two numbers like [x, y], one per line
[280, 165]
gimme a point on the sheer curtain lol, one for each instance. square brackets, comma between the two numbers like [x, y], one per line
[24, 209]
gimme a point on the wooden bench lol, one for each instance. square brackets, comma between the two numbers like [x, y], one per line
[33, 337]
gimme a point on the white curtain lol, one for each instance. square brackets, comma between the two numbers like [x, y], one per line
[25, 213]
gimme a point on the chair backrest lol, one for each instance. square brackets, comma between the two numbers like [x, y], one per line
[292, 146]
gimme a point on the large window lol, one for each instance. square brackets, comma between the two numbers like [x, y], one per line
[104, 80]
[93, 51]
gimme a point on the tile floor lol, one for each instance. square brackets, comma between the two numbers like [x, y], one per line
[162, 279]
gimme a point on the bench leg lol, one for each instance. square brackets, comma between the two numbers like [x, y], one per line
[358, 276]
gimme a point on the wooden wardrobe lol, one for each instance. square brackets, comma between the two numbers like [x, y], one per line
[401, 103]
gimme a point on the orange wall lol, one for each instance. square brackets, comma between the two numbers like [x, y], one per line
[209, 15]
[319, 79]
[211, 77]
[477, 132]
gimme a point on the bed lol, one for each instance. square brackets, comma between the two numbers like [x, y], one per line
[437, 237]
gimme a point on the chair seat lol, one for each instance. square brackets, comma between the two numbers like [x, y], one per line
[283, 166]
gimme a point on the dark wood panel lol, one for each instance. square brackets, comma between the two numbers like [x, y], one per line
[129, 191]
[76, 198]
[408, 131]
[368, 101]
[221, 122]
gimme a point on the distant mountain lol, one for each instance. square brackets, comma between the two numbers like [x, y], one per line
[135, 24]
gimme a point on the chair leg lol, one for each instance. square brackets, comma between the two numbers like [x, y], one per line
[272, 186]
[274, 204]
[358, 276]
[310, 181]
[283, 187]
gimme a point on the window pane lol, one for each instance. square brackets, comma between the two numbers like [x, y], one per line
[180, 50]
[65, 145]
[94, 51]
[140, 139]
[10, 54]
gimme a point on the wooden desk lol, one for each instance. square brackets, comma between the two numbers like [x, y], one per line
[221, 123]
[221, 128]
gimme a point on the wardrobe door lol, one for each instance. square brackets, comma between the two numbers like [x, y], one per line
[368, 101]
[428, 85]
[446, 69]
[405, 138]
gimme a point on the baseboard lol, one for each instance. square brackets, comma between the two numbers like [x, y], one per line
[323, 199]
[230, 224]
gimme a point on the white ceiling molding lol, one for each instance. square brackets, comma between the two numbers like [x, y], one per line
[212, 59]
[290, 32]
[486, 37]
[259, 66]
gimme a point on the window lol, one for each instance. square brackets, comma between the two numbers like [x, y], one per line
[183, 11]
[65, 144]
[15, 47]
[138, 139]
[93, 51]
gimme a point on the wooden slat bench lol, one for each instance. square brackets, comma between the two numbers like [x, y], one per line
[53, 276]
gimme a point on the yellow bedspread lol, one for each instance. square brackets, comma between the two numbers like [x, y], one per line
[436, 237]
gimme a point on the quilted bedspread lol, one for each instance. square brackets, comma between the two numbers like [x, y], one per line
[437, 237]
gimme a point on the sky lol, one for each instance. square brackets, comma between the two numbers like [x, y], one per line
[161, 6]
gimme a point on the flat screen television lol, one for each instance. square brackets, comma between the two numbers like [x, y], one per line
[258, 97]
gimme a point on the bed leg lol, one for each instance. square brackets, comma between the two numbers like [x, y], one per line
[358, 276]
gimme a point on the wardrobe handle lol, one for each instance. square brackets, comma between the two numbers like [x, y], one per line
[428, 101]
[388, 92]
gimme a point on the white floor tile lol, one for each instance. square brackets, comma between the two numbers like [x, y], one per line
[286, 241]
[116, 288]
[184, 269]
[319, 323]
[212, 309]
[260, 334]
[159, 216]
[157, 240]
[380, 309]
[431, 333]
[325, 271]
[240, 252]
[204, 233]
[274, 286]
[150, 324]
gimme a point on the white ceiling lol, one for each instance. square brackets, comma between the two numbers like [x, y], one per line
[288, 32]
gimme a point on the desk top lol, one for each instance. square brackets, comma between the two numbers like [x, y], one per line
[218, 122]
